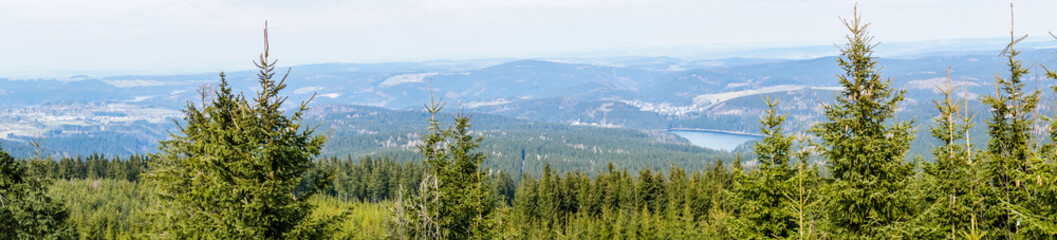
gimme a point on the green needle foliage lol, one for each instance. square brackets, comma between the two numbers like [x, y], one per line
[802, 202]
[26, 211]
[232, 171]
[467, 205]
[953, 180]
[763, 191]
[1042, 214]
[1010, 160]
[1049, 198]
[864, 147]
[454, 200]
[242, 168]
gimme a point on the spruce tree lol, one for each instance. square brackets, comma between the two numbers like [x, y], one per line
[1010, 160]
[865, 145]
[802, 202]
[232, 170]
[548, 197]
[1042, 216]
[526, 200]
[26, 211]
[459, 204]
[953, 189]
[762, 193]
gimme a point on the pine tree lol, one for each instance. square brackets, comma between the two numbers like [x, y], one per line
[953, 178]
[762, 194]
[677, 191]
[548, 197]
[26, 211]
[232, 170]
[1042, 216]
[802, 203]
[526, 199]
[1010, 160]
[736, 169]
[462, 205]
[865, 145]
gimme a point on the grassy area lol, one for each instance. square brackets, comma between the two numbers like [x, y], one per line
[364, 220]
[120, 209]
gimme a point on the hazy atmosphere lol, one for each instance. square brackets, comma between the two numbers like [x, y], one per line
[528, 119]
[59, 38]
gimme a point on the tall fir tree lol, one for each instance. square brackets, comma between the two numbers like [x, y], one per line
[865, 145]
[232, 171]
[762, 193]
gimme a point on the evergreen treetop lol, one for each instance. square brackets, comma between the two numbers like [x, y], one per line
[762, 193]
[1011, 159]
[458, 203]
[952, 182]
[865, 145]
[232, 170]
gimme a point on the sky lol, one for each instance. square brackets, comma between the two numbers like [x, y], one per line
[60, 38]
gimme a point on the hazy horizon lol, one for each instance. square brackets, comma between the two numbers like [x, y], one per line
[61, 38]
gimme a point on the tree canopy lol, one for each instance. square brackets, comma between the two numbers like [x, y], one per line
[232, 170]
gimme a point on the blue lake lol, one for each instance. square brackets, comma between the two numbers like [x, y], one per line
[715, 140]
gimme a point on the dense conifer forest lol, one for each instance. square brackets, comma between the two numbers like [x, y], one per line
[246, 167]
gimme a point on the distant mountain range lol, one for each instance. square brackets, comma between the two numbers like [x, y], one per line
[639, 93]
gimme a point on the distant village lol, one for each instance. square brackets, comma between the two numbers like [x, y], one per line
[77, 118]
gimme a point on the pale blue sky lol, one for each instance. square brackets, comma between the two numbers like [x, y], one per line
[64, 37]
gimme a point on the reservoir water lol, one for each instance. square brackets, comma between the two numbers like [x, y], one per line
[715, 140]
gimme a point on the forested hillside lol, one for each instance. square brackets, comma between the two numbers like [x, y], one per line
[259, 165]
[510, 144]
